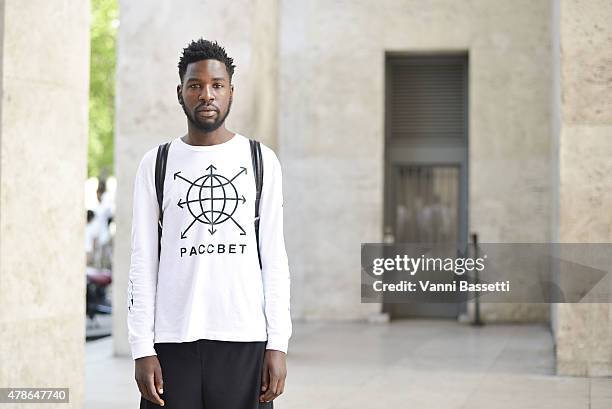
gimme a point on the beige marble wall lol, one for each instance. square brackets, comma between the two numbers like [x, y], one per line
[43, 165]
[584, 332]
[151, 38]
[331, 131]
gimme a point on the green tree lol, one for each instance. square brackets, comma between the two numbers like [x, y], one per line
[104, 23]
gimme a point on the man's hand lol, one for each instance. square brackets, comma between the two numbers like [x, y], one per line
[149, 378]
[274, 374]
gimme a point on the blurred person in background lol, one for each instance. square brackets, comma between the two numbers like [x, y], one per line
[103, 219]
[90, 238]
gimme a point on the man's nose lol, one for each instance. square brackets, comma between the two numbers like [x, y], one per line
[207, 94]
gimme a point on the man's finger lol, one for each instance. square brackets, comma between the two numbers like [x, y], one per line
[271, 392]
[265, 383]
[281, 386]
[265, 378]
[152, 393]
[159, 380]
[142, 390]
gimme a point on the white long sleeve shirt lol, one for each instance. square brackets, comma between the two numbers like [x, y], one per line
[208, 283]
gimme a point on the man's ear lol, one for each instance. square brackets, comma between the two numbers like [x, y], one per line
[179, 94]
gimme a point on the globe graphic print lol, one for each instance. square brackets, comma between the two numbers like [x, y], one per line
[211, 199]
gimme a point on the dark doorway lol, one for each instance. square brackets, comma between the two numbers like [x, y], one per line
[426, 158]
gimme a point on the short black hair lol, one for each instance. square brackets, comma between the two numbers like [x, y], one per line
[202, 49]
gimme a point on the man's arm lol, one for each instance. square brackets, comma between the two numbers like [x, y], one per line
[276, 279]
[275, 267]
[142, 283]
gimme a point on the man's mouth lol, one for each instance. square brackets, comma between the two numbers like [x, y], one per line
[207, 112]
[206, 109]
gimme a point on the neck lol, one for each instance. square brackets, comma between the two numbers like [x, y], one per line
[196, 136]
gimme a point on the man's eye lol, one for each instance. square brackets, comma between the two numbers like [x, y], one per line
[219, 85]
[194, 85]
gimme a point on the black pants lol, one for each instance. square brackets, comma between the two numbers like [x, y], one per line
[208, 374]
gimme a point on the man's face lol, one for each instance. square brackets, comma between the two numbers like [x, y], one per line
[206, 94]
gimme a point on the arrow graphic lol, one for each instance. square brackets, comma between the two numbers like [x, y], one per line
[212, 182]
[212, 202]
[244, 170]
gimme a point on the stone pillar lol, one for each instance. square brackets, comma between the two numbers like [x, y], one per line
[584, 331]
[150, 43]
[43, 164]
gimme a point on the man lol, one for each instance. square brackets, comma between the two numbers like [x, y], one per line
[208, 327]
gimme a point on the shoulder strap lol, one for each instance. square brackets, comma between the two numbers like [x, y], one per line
[160, 174]
[258, 171]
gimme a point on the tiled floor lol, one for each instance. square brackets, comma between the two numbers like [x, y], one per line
[415, 364]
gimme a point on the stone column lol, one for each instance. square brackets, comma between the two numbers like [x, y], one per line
[43, 163]
[584, 331]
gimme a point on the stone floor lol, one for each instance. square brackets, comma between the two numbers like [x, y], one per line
[414, 364]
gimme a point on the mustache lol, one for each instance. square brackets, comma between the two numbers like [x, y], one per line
[206, 107]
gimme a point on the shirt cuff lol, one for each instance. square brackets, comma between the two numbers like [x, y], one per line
[277, 343]
[142, 349]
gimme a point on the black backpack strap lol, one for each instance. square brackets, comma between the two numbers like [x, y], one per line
[258, 171]
[160, 174]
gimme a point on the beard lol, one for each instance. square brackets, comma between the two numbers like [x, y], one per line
[203, 125]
